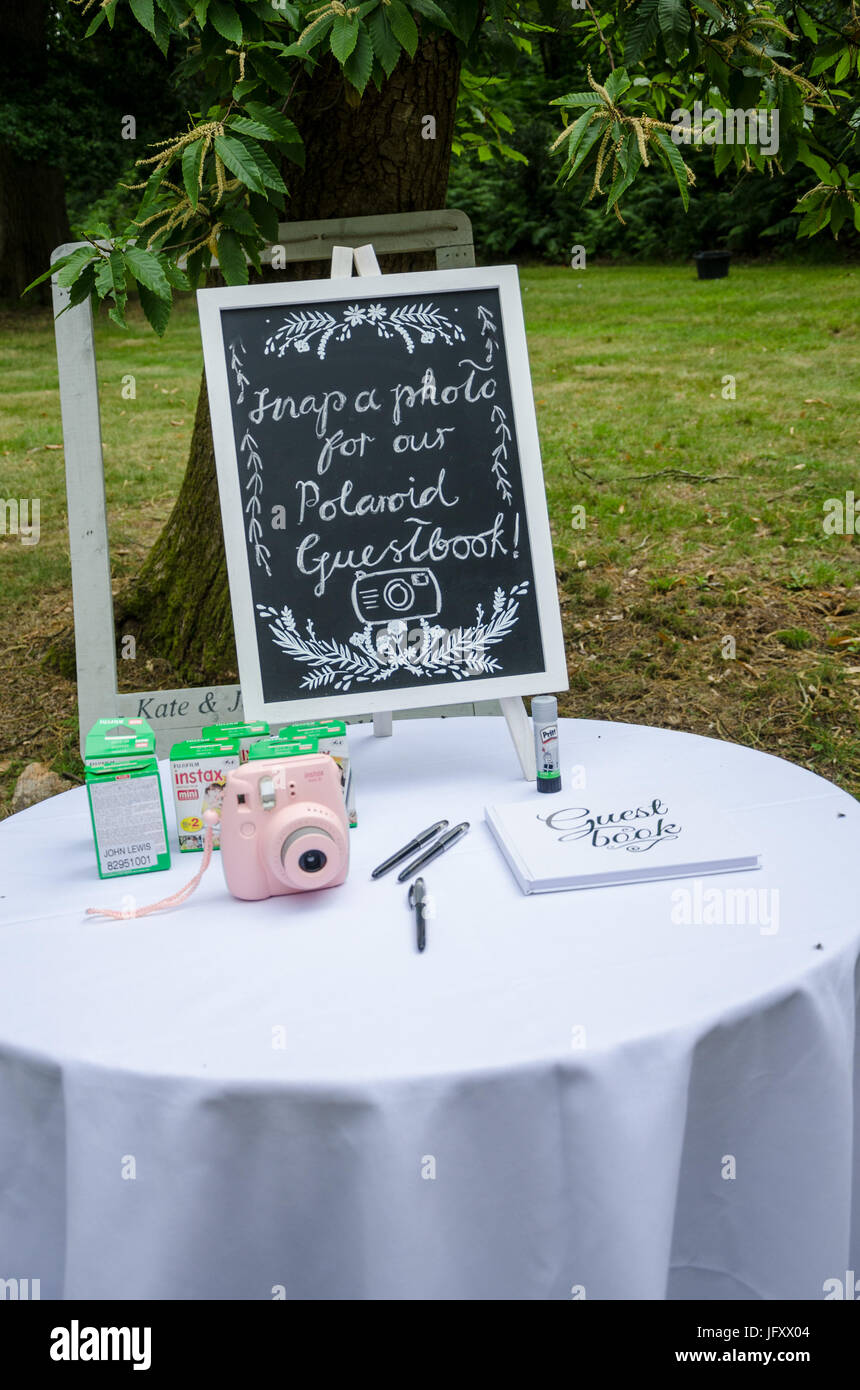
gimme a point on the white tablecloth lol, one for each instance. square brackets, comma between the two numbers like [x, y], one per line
[566, 1095]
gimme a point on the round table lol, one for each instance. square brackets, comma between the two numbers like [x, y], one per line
[567, 1095]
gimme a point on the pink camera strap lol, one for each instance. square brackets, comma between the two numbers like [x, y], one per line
[210, 819]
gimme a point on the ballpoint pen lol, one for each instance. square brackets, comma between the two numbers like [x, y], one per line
[413, 845]
[443, 843]
[418, 900]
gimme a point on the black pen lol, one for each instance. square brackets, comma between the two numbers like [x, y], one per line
[418, 900]
[443, 843]
[404, 853]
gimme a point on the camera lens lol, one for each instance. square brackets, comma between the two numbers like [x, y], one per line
[312, 861]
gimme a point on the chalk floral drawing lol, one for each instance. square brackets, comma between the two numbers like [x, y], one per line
[460, 653]
[500, 453]
[253, 506]
[236, 366]
[488, 333]
[408, 321]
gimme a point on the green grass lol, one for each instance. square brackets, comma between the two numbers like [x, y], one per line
[703, 514]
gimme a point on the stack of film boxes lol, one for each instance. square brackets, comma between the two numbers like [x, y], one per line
[199, 767]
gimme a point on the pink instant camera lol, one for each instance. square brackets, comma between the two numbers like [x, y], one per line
[284, 827]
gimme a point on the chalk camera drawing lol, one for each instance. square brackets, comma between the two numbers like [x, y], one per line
[402, 593]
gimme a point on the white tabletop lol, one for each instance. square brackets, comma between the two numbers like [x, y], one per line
[323, 998]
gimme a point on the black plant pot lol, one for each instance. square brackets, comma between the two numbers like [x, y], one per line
[712, 265]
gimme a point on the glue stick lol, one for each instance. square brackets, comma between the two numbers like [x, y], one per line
[545, 722]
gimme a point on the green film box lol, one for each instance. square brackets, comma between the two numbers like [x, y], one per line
[246, 734]
[330, 737]
[281, 748]
[124, 792]
[198, 770]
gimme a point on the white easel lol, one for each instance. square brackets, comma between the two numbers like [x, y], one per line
[519, 725]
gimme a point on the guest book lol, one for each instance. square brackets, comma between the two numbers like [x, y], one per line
[592, 842]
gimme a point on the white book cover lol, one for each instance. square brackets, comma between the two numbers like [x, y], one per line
[591, 841]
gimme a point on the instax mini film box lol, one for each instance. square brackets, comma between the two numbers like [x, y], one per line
[124, 792]
[245, 734]
[198, 770]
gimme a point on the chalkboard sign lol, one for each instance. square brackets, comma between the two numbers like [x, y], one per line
[381, 491]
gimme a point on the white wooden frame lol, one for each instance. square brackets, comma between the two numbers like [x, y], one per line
[179, 713]
[503, 279]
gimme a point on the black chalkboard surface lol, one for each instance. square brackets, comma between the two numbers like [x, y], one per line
[382, 517]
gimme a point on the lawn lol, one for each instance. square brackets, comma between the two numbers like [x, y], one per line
[691, 433]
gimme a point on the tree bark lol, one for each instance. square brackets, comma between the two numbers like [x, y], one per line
[362, 159]
[33, 219]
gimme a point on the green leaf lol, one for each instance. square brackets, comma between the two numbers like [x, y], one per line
[709, 8]
[632, 159]
[814, 162]
[239, 219]
[95, 23]
[103, 279]
[312, 37]
[272, 72]
[587, 142]
[224, 18]
[617, 83]
[643, 31]
[722, 157]
[265, 215]
[676, 164]
[403, 27]
[674, 20]
[174, 276]
[839, 211]
[843, 67]
[156, 308]
[82, 288]
[579, 99]
[200, 7]
[46, 274]
[231, 259]
[269, 172]
[830, 52]
[359, 64]
[251, 245]
[241, 90]
[144, 266]
[807, 24]
[110, 11]
[117, 271]
[196, 264]
[144, 14]
[245, 126]
[192, 158]
[344, 37]
[74, 265]
[275, 121]
[235, 155]
[576, 135]
[431, 10]
[162, 32]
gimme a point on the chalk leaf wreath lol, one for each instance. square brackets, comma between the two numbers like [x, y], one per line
[458, 652]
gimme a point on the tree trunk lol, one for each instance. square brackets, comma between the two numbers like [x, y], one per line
[363, 158]
[33, 219]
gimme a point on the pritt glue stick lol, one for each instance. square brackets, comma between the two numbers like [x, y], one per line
[545, 722]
